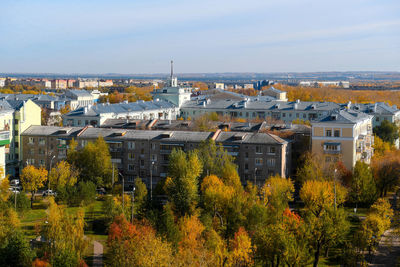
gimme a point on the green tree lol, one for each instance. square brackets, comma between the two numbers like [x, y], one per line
[93, 162]
[386, 170]
[140, 198]
[182, 181]
[16, 251]
[362, 187]
[387, 131]
[32, 179]
[310, 170]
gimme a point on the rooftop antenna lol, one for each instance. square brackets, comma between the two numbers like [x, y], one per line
[172, 68]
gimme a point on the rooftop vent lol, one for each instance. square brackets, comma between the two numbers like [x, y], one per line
[120, 133]
[64, 130]
[166, 135]
[239, 136]
[334, 117]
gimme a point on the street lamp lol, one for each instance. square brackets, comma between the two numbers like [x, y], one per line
[133, 199]
[334, 186]
[123, 185]
[255, 177]
[51, 162]
[151, 180]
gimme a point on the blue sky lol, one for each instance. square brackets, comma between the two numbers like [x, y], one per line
[116, 36]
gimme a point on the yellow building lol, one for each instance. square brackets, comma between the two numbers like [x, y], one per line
[25, 114]
[343, 136]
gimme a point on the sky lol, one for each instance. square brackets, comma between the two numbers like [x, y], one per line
[203, 36]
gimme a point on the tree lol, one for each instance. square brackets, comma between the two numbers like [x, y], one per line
[381, 147]
[216, 196]
[241, 249]
[216, 160]
[65, 233]
[326, 222]
[276, 193]
[136, 245]
[16, 251]
[191, 249]
[63, 174]
[4, 189]
[32, 179]
[311, 169]
[362, 188]
[93, 162]
[387, 131]
[140, 198]
[182, 181]
[386, 170]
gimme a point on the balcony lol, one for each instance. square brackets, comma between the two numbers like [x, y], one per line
[4, 137]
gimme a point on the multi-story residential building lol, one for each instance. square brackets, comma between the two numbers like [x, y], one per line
[343, 135]
[82, 98]
[96, 115]
[6, 129]
[381, 111]
[86, 83]
[18, 115]
[2, 82]
[139, 152]
[59, 84]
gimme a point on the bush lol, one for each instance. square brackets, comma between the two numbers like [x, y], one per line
[83, 193]
[15, 251]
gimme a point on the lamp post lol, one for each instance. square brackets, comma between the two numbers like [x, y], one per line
[151, 181]
[133, 199]
[51, 162]
[255, 177]
[123, 185]
[334, 186]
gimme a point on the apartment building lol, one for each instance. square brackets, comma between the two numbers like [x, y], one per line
[344, 135]
[136, 152]
[98, 114]
[82, 98]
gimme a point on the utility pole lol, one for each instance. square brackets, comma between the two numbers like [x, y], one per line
[255, 177]
[334, 186]
[51, 162]
[151, 181]
[123, 185]
[133, 199]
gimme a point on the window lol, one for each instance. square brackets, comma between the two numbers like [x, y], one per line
[337, 133]
[42, 141]
[153, 146]
[271, 162]
[41, 162]
[141, 163]
[131, 156]
[332, 147]
[131, 167]
[272, 150]
[259, 161]
[258, 150]
[131, 145]
[297, 115]
[328, 132]
[377, 118]
[41, 151]
[131, 178]
[246, 166]
[32, 151]
[31, 140]
[327, 159]
[304, 116]
[247, 155]
[142, 151]
[153, 157]
[30, 161]
[283, 115]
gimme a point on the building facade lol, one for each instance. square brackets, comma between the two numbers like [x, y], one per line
[343, 136]
[137, 152]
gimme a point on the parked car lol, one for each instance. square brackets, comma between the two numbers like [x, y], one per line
[14, 182]
[14, 190]
[49, 193]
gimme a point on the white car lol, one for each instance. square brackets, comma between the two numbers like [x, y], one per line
[49, 193]
[14, 182]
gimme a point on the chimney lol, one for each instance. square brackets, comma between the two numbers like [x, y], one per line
[216, 134]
